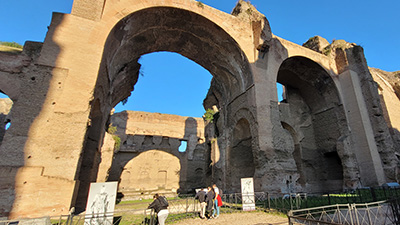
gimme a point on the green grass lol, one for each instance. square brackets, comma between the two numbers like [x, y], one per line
[10, 49]
[127, 219]
[11, 44]
[135, 201]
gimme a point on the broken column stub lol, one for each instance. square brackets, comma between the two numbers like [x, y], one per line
[262, 34]
[316, 43]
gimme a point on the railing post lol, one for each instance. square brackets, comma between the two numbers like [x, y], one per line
[369, 217]
[374, 199]
[359, 194]
[339, 213]
[384, 192]
[355, 211]
[329, 199]
[290, 214]
[235, 200]
[187, 205]
[269, 201]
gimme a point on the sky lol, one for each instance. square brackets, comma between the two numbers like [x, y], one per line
[175, 85]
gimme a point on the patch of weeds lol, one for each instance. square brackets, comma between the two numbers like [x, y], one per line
[209, 115]
[117, 140]
[327, 50]
[249, 11]
[111, 130]
[200, 4]
[124, 101]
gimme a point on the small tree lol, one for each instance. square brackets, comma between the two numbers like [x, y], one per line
[112, 130]
[209, 115]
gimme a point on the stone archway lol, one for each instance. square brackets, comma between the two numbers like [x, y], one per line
[297, 156]
[173, 30]
[240, 156]
[317, 114]
[89, 62]
[150, 171]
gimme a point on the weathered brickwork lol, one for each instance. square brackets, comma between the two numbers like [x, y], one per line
[337, 126]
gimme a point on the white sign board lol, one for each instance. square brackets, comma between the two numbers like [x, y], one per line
[248, 201]
[101, 203]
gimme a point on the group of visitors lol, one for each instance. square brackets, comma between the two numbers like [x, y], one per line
[209, 198]
[210, 201]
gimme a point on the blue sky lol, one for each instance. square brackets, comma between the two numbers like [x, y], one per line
[173, 84]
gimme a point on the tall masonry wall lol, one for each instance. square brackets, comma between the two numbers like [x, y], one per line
[335, 122]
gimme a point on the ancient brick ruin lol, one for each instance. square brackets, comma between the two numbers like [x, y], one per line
[148, 159]
[337, 127]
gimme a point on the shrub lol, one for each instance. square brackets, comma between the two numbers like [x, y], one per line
[209, 115]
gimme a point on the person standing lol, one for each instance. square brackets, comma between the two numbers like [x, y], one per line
[160, 206]
[217, 201]
[209, 200]
[201, 196]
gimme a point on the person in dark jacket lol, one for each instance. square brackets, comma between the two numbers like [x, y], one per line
[201, 196]
[210, 201]
[160, 208]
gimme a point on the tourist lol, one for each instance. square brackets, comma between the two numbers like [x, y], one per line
[217, 201]
[160, 206]
[209, 200]
[201, 196]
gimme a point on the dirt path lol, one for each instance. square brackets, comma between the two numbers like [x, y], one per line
[251, 218]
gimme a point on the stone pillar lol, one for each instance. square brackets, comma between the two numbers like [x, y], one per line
[360, 104]
[364, 145]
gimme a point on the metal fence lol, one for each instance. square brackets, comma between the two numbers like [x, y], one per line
[139, 216]
[376, 213]
[185, 206]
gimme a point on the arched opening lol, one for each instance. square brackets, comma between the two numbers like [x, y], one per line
[296, 152]
[171, 30]
[281, 92]
[168, 83]
[183, 146]
[150, 171]
[317, 115]
[5, 116]
[241, 160]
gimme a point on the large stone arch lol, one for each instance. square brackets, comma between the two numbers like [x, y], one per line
[150, 172]
[197, 38]
[88, 63]
[118, 40]
[315, 110]
[142, 149]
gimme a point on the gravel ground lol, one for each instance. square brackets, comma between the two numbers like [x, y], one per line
[250, 218]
